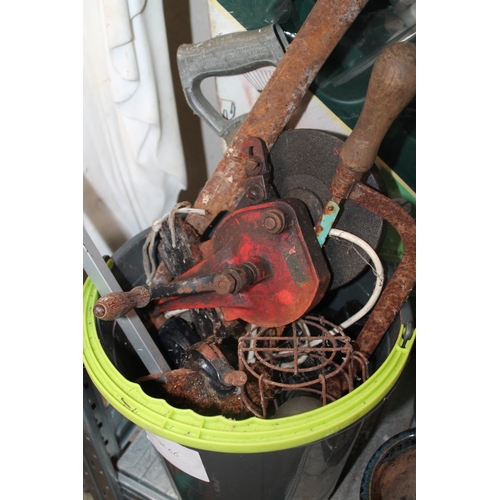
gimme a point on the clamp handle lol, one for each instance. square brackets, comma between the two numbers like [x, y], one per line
[118, 304]
[392, 86]
[231, 280]
[225, 55]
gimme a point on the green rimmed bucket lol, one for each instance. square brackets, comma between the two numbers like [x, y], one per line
[294, 457]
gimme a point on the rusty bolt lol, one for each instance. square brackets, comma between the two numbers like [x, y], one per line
[224, 283]
[252, 167]
[236, 378]
[274, 221]
[255, 193]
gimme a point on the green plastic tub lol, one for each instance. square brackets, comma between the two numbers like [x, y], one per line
[218, 433]
[265, 459]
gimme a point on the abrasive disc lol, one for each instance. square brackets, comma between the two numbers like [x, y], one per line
[303, 165]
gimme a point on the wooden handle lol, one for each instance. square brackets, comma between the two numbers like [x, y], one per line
[118, 304]
[392, 86]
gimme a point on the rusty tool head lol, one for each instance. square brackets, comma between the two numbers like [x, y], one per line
[207, 383]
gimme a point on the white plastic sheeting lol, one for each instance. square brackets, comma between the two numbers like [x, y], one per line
[133, 163]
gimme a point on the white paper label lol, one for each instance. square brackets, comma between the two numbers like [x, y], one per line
[188, 461]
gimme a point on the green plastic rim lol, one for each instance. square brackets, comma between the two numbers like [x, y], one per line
[220, 434]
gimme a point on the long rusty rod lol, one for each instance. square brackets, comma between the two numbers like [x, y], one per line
[325, 25]
[402, 281]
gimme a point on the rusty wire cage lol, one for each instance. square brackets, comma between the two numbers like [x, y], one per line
[311, 355]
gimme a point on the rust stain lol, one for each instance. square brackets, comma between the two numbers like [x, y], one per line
[187, 388]
[343, 182]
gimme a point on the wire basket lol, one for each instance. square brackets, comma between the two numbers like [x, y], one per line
[311, 355]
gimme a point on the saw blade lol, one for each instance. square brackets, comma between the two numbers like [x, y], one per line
[303, 163]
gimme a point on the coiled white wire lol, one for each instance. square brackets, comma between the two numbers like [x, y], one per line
[378, 272]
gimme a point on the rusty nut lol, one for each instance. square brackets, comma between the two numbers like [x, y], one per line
[224, 283]
[274, 221]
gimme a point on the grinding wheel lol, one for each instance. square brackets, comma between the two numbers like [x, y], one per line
[303, 164]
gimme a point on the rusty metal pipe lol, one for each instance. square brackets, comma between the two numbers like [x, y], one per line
[324, 27]
[402, 281]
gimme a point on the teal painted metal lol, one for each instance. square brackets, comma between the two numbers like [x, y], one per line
[327, 219]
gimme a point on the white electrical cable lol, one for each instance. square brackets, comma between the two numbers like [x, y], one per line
[378, 272]
[177, 312]
[148, 260]
[251, 354]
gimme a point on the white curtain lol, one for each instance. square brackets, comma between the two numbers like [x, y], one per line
[133, 162]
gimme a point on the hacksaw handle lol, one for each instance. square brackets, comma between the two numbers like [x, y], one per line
[392, 86]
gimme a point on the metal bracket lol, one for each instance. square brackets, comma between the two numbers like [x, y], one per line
[131, 324]
[257, 186]
[326, 221]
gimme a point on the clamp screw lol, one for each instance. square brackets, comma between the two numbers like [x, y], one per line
[224, 283]
[236, 278]
[274, 221]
